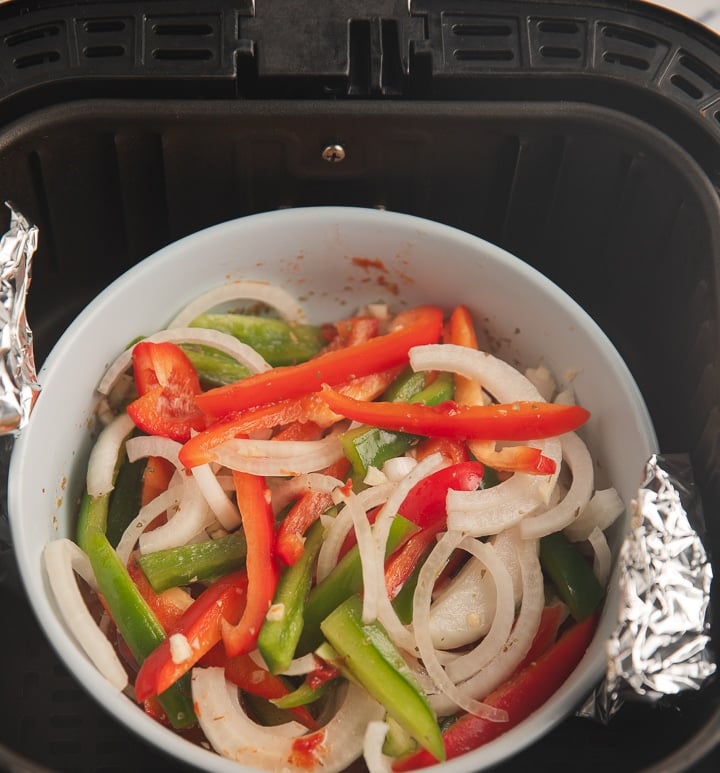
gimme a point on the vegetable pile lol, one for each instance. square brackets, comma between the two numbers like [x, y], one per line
[305, 544]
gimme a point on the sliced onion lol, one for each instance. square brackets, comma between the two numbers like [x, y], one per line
[490, 511]
[463, 611]
[143, 446]
[104, 455]
[278, 457]
[500, 668]
[164, 501]
[242, 290]
[234, 735]
[192, 516]
[386, 613]
[602, 562]
[578, 459]
[63, 559]
[543, 380]
[340, 527]
[376, 761]
[223, 342]
[499, 378]
[225, 509]
[398, 467]
[452, 697]
[603, 509]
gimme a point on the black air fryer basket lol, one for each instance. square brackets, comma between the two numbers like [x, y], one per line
[583, 137]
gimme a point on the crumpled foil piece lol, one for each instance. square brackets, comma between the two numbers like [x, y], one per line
[661, 644]
[18, 378]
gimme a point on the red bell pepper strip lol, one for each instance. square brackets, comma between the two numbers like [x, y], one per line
[455, 451]
[461, 331]
[166, 611]
[425, 506]
[306, 510]
[425, 503]
[253, 501]
[421, 325]
[550, 621]
[200, 626]
[353, 331]
[304, 410]
[167, 384]
[522, 420]
[156, 478]
[519, 696]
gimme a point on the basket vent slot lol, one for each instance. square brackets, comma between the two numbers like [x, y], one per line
[558, 42]
[693, 77]
[631, 51]
[482, 41]
[178, 39]
[109, 38]
[32, 35]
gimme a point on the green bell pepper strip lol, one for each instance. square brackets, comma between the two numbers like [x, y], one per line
[214, 368]
[571, 575]
[279, 342]
[198, 562]
[125, 499]
[367, 447]
[130, 612]
[304, 695]
[279, 635]
[369, 655]
[342, 582]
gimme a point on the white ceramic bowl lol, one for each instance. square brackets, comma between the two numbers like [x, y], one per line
[314, 253]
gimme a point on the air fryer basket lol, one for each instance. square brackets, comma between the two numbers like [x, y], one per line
[583, 137]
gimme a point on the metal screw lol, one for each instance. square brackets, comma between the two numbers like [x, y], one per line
[334, 153]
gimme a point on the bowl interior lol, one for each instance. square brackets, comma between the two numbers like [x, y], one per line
[333, 259]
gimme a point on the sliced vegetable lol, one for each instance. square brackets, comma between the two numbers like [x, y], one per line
[130, 612]
[278, 341]
[196, 562]
[571, 574]
[519, 697]
[194, 634]
[125, 498]
[521, 420]
[370, 657]
[283, 624]
[167, 384]
[253, 500]
[342, 582]
[214, 368]
[421, 325]
[371, 446]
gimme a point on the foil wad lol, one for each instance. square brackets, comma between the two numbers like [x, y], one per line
[661, 645]
[17, 368]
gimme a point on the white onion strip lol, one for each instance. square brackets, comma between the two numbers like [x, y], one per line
[192, 516]
[452, 696]
[603, 509]
[340, 527]
[471, 662]
[278, 457]
[578, 459]
[170, 498]
[234, 735]
[104, 455]
[225, 509]
[223, 342]
[248, 290]
[375, 760]
[63, 559]
[500, 668]
[490, 511]
[143, 446]
[499, 378]
[386, 613]
[602, 562]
